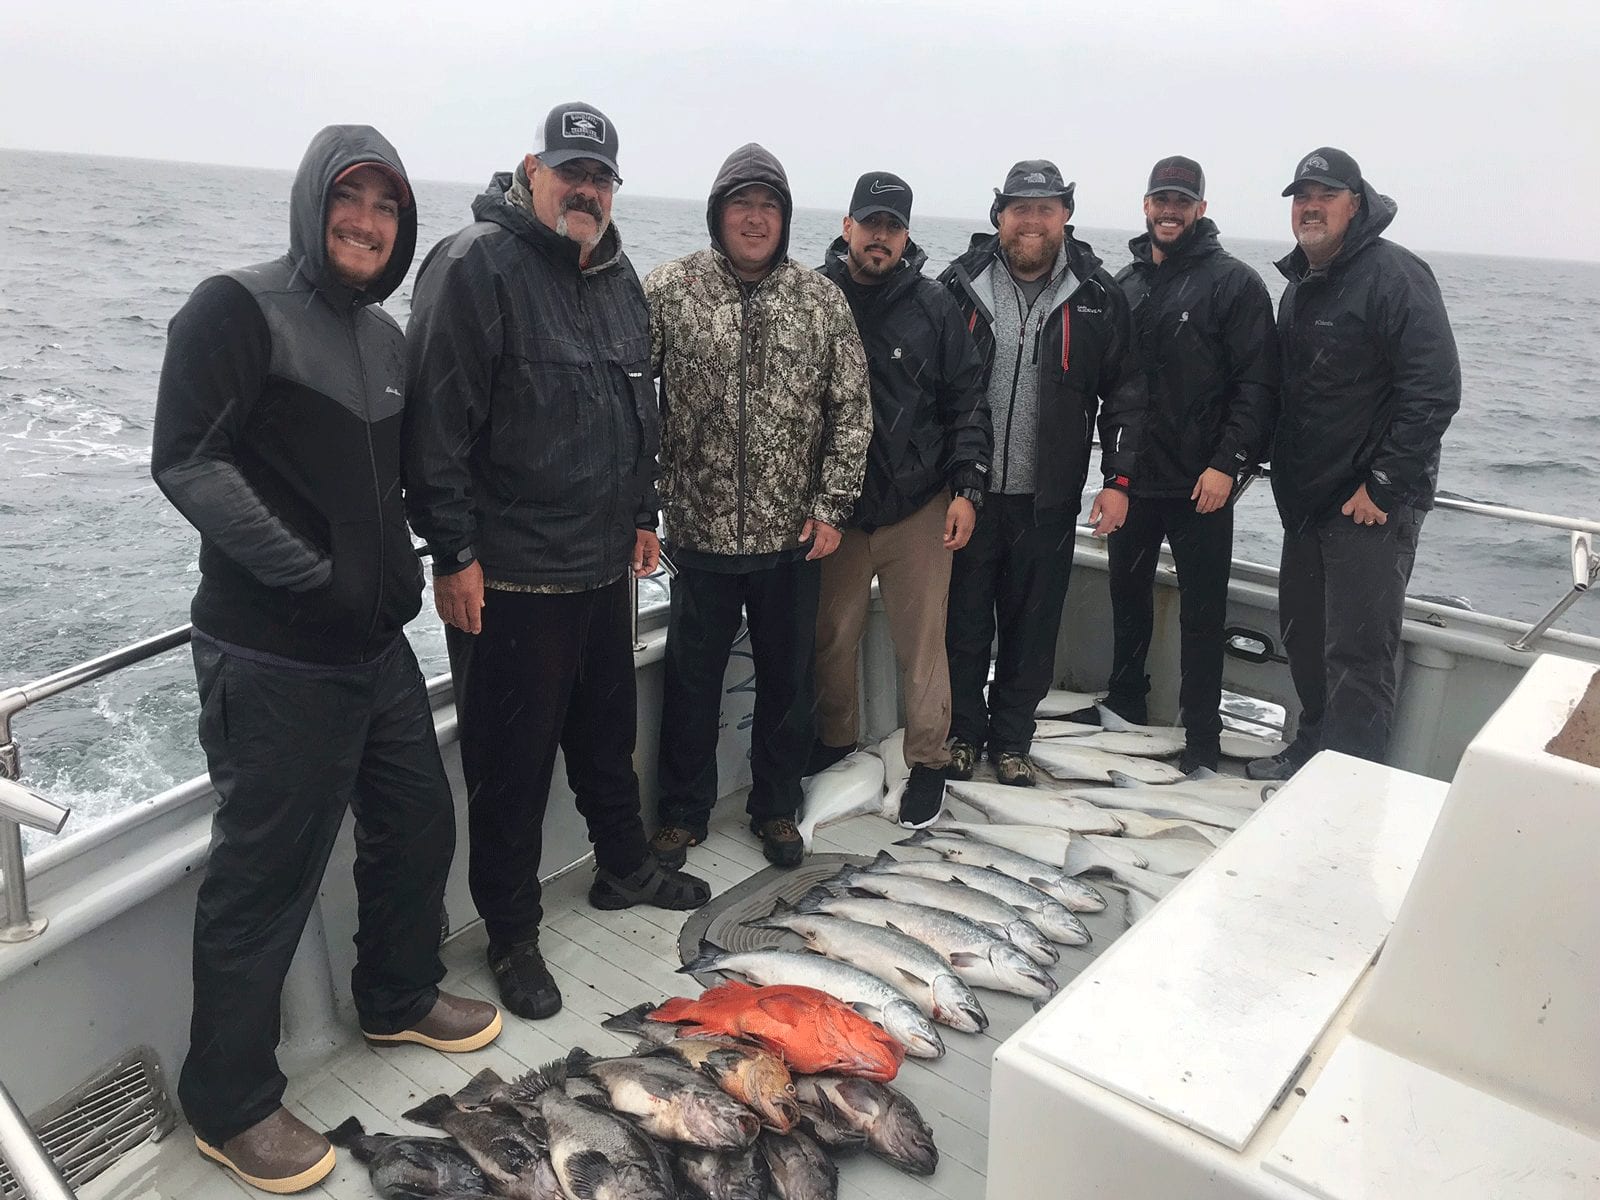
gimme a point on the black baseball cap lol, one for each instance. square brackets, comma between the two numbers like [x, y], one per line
[578, 130]
[1325, 165]
[1029, 179]
[1177, 174]
[881, 192]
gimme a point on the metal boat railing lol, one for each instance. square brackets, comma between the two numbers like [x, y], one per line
[20, 806]
[32, 1168]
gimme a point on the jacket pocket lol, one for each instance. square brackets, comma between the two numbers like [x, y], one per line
[351, 599]
[543, 437]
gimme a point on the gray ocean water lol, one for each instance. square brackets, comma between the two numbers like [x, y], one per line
[99, 253]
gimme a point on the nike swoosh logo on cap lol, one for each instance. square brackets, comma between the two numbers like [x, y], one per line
[878, 187]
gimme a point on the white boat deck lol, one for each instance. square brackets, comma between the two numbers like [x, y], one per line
[607, 962]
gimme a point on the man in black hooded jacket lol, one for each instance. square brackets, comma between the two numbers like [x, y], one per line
[1206, 350]
[1051, 330]
[1370, 382]
[926, 466]
[530, 468]
[277, 435]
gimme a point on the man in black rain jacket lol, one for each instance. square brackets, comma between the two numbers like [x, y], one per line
[530, 468]
[1051, 329]
[1370, 382]
[926, 466]
[1206, 350]
[277, 435]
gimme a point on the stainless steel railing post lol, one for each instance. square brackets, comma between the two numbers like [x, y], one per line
[20, 925]
[633, 624]
[31, 1165]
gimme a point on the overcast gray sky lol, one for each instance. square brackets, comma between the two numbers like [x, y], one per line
[1479, 118]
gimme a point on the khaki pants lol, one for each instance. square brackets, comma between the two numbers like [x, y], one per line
[913, 570]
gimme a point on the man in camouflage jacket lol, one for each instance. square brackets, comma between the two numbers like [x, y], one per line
[765, 420]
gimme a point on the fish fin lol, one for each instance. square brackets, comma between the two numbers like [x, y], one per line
[1113, 721]
[884, 859]
[808, 902]
[480, 1088]
[870, 1011]
[534, 1084]
[1122, 779]
[431, 1111]
[916, 839]
[1202, 773]
[862, 893]
[587, 1172]
[708, 958]
[965, 958]
[578, 1061]
[350, 1134]
[912, 977]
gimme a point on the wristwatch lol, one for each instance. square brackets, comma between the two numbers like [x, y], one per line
[974, 495]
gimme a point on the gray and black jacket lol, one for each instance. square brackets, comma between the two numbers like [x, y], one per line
[1370, 375]
[1206, 346]
[531, 434]
[1079, 360]
[277, 435]
[930, 414]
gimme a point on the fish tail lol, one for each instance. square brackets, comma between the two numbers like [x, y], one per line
[350, 1134]
[431, 1111]
[918, 838]
[708, 959]
[578, 1061]
[808, 903]
[633, 1021]
[480, 1088]
[884, 859]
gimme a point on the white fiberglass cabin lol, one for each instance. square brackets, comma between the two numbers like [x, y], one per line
[1166, 1068]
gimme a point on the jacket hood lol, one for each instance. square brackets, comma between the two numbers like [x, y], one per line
[493, 205]
[750, 163]
[1205, 241]
[332, 152]
[1376, 214]
[905, 274]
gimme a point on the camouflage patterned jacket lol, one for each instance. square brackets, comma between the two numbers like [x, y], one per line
[765, 408]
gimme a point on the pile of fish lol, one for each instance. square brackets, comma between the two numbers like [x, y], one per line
[743, 1093]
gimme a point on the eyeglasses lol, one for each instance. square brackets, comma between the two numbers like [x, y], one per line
[573, 175]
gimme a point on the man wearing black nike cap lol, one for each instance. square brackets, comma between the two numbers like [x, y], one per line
[926, 466]
[1370, 382]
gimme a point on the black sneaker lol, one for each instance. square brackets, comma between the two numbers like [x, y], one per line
[650, 883]
[1197, 758]
[671, 845]
[923, 798]
[1015, 769]
[526, 986]
[963, 757]
[1278, 767]
[780, 840]
[823, 756]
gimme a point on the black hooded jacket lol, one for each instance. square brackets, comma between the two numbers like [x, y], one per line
[930, 414]
[1080, 363]
[1370, 375]
[1205, 343]
[531, 435]
[277, 435]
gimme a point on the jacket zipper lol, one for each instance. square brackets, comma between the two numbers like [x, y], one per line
[744, 366]
[372, 464]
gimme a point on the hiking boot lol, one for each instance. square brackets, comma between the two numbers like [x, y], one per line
[963, 758]
[923, 798]
[454, 1024]
[279, 1153]
[780, 840]
[671, 845]
[652, 882]
[1016, 769]
[1279, 767]
[526, 986]
[1197, 758]
[823, 756]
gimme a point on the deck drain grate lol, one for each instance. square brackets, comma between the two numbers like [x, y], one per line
[119, 1107]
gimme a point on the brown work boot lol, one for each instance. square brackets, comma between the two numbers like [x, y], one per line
[780, 840]
[279, 1153]
[671, 845]
[454, 1024]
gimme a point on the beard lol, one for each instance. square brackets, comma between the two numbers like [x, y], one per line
[1029, 255]
[1178, 244]
[870, 269]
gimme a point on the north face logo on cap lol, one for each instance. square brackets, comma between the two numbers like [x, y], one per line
[579, 124]
[1035, 177]
[1315, 163]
